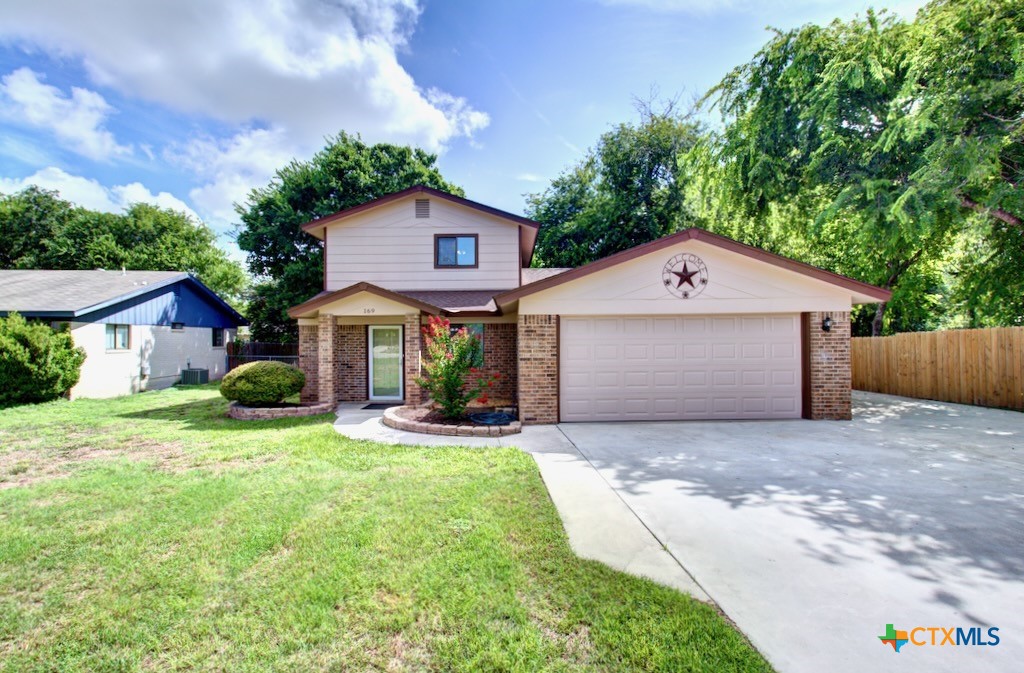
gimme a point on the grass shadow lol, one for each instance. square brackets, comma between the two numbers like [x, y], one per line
[211, 415]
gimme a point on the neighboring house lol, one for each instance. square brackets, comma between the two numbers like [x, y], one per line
[691, 326]
[139, 329]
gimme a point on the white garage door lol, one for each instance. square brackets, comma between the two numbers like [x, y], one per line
[680, 368]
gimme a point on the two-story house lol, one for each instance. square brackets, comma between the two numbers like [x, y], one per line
[691, 326]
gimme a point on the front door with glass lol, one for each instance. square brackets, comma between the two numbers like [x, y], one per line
[386, 376]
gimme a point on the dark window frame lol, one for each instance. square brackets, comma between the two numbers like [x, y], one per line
[476, 251]
[214, 331]
[113, 328]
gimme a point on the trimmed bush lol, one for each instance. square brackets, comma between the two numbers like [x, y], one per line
[261, 384]
[37, 364]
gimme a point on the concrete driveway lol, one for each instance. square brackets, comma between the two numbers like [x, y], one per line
[812, 536]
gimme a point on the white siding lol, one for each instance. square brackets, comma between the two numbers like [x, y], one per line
[165, 352]
[389, 247]
[736, 284]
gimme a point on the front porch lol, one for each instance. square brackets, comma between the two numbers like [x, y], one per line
[341, 365]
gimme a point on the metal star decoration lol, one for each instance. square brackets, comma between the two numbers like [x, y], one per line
[685, 276]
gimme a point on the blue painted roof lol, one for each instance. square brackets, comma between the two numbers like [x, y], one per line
[132, 297]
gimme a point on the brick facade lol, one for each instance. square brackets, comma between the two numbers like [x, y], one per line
[828, 361]
[413, 354]
[350, 345]
[327, 359]
[500, 355]
[309, 339]
[537, 346]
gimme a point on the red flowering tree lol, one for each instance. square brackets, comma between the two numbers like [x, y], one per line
[450, 377]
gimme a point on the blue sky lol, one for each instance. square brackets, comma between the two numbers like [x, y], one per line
[189, 104]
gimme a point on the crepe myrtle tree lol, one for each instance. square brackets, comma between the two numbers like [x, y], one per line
[451, 378]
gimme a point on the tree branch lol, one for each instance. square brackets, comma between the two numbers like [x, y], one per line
[998, 213]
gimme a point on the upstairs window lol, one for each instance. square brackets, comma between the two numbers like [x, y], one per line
[218, 337]
[452, 252]
[118, 338]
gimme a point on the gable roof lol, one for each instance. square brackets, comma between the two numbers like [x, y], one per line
[71, 294]
[438, 302]
[527, 228]
[533, 275]
[694, 233]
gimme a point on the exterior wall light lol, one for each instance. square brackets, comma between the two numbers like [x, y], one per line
[826, 324]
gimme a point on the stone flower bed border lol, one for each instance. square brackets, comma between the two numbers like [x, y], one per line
[244, 413]
[393, 420]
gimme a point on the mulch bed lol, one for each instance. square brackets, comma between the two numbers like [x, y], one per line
[428, 415]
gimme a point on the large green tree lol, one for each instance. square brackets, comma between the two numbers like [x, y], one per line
[287, 261]
[894, 140]
[628, 190]
[39, 230]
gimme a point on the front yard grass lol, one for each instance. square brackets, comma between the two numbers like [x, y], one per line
[153, 533]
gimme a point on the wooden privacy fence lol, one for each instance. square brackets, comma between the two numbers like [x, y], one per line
[240, 353]
[971, 366]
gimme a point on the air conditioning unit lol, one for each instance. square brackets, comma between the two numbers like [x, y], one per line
[194, 377]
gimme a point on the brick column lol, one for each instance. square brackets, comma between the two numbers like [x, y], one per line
[413, 347]
[829, 363]
[327, 358]
[500, 355]
[537, 345]
[308, 352]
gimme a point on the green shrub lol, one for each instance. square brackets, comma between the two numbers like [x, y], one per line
[262, 383]
[36, 363]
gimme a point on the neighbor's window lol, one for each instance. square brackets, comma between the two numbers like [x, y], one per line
[218, 337]
[118, 338]
[477, 330]
[177, 326]
[455, 251]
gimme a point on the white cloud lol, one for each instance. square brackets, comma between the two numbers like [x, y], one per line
[230, 168]
[77, 120]
[23, 150]
[288, 72]
[309, 67]
[91, 194]
[529, 177]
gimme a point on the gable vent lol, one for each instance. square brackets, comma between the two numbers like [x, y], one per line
[422, 207]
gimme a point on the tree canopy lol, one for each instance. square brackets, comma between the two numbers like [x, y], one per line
[287, 261]
[628, 190]
[899, 142]
[39, 230]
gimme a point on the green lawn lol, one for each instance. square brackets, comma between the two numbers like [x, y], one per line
[153, 533]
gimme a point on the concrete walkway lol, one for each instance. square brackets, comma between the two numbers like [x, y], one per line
[599, 524]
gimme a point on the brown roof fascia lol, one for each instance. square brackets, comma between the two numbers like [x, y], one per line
[707, 237]
[473, 314]
[323, 300]
[417, 189]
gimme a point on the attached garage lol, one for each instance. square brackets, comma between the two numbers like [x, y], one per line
[693, 326]
[661, 368]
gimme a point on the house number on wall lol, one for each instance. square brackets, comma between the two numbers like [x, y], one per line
[685, 275]
[369, 310]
